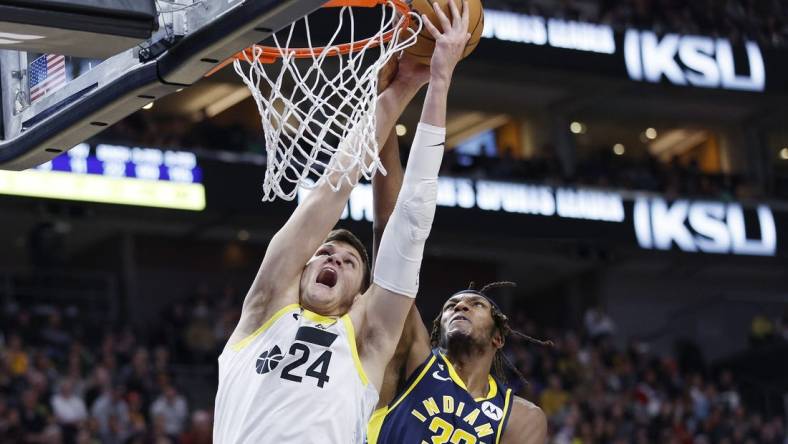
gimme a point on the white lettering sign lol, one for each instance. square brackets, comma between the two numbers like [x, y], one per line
[691, 60]
[534, 30]
[708, 227]
[514, 198]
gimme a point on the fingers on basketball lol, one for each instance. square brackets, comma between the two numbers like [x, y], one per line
[435, 19]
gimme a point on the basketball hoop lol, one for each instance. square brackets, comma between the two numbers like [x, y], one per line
[324, 113]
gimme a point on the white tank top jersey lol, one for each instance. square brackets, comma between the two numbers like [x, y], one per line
[297, 379]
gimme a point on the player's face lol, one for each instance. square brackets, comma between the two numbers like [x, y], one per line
[468, 317]
[332, 279]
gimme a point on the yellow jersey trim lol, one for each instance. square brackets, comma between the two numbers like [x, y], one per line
[414, 384]
[351, 337]
[240, 345]
[491, 392]
[505, 414]
[320, 319]
[375, 424]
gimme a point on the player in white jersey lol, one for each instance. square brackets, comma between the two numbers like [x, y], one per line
[306, 361]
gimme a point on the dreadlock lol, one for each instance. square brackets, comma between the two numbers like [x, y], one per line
[500, 361]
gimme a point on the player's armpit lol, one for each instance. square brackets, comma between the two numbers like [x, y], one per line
[527, 424]
[379, 322]
[399, 361]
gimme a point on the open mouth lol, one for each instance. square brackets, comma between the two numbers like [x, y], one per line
[459, 318]
[327, 277]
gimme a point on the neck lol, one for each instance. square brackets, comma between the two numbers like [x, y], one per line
[324, 309]
[473, 367]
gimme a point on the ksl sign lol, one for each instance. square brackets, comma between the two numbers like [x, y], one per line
[707, 227]
[689, 60]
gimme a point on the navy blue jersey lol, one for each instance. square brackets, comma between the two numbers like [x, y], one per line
[435, 407]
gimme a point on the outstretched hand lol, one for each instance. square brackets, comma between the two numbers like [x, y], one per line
[450, 42]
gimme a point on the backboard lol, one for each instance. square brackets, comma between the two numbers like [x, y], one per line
[95, 86]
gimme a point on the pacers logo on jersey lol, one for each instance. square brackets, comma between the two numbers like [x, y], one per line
[268, 360]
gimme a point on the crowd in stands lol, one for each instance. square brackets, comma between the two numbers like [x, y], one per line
[765, 21]
[64, 381]
[595, 392]
[605, 170]
[61, 384]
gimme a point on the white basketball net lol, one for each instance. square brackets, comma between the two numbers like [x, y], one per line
[304, 126]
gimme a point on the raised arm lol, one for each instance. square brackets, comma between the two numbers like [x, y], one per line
[402, 245]
[414, 344]
[277, 282]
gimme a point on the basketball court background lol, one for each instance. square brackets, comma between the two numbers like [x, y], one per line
[630, 175]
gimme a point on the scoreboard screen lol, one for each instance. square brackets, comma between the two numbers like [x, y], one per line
[115, 174]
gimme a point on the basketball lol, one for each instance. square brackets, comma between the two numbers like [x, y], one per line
[425, 46]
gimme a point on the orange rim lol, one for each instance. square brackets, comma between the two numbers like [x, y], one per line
[270, 54]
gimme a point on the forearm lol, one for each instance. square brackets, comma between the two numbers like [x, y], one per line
[436, 103]
[385, 189]
[298, 239]
[391, 104]
[402, 245]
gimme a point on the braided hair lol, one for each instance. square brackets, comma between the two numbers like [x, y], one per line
[501, 321]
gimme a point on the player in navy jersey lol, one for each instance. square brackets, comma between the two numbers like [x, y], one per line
[449, 395]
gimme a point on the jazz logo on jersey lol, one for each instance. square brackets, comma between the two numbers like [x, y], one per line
[268, 360]
[448, 406]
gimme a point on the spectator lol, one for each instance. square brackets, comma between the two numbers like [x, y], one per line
[33, 416]
[554, 398]
[172, 409]
[598, 323]
[111, 414]
[69, 411]
[201, 429]
[138, 378]
[15, 357]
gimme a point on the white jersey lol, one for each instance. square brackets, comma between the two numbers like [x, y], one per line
[297, 379]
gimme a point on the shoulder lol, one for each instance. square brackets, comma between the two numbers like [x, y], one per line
[527, 423]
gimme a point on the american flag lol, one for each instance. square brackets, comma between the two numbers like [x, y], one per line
[47, 73]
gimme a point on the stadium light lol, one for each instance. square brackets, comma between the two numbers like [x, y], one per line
[619, 149]
[784, 153]
[577, 128]
[651, 133]
[402, 130]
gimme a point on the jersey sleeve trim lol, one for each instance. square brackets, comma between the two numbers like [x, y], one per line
[351, 337]
[506, 414]
[240, 345]
[414, 383]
